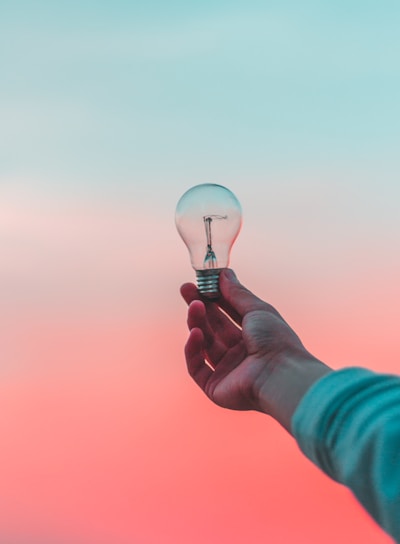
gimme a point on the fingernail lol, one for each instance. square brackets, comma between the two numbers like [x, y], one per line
[230, 274]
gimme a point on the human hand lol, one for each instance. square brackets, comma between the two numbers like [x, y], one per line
[240, 360]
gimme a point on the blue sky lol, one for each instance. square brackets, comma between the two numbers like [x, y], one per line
[294, 107]
[158, 92]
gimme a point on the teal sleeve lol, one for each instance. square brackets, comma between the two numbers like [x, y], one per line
[348, 424]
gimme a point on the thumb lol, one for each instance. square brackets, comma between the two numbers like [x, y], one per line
[237, 297]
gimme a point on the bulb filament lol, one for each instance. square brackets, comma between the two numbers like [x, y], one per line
[210, 260]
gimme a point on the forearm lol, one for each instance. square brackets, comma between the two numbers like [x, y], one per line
[349, 425]
[282, 388]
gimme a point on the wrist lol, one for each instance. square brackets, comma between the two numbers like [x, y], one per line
[285, 382]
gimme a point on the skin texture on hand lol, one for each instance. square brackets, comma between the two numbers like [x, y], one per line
[244, 355]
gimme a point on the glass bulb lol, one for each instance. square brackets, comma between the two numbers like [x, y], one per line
[208, 218]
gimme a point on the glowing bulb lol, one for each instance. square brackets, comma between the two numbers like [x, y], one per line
[208, 218]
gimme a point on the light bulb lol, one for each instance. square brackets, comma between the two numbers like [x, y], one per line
[208, 218]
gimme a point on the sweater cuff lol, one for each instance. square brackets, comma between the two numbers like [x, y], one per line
[318, 409]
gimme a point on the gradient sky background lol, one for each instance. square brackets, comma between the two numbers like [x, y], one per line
[108, 113]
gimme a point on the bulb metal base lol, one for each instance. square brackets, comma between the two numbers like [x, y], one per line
[208, 282]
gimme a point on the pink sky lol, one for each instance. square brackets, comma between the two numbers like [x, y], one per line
[105, 437]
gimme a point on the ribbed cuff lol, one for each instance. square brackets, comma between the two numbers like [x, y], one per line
[319, 416]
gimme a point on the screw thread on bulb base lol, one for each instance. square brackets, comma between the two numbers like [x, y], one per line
[208, 282]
